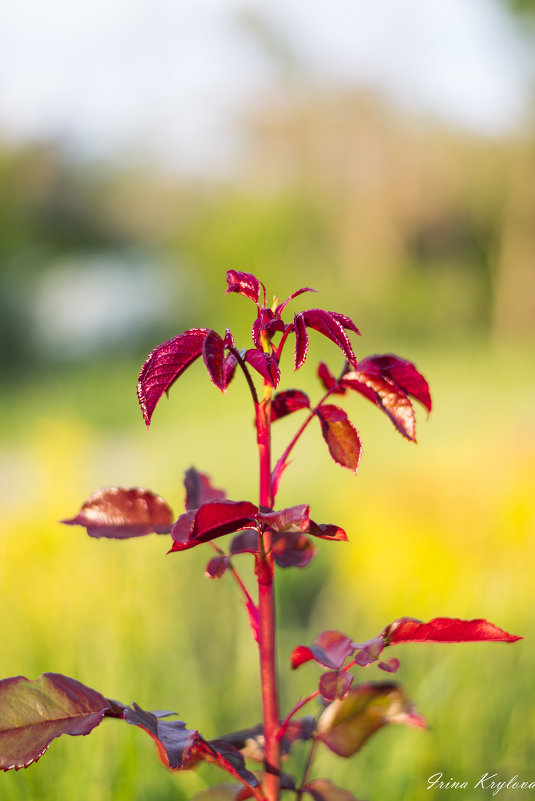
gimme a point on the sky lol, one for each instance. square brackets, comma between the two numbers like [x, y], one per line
[168, 79]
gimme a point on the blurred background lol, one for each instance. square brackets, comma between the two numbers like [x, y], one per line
[382, 153]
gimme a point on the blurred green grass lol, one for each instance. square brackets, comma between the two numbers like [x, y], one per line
[445, 528]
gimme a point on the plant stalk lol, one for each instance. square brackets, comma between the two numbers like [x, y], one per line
[266, 610]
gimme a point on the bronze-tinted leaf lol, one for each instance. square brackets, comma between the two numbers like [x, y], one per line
[388, 396]
[165, 364]
[347, 724]
[33, 713]
[401, 372]
[340, 435]
[292, 517]
[199, 489]
[118, 513]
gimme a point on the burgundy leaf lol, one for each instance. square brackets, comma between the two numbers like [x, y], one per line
[328, 380]
[199, 489]
[118, 513]
[330, 649]
[176, 744]
[244, 283]
[217, 566]
[301, 340]
[262, 319]
[229, 368]
[213, 519]
[327, 532]
[33, 713]
[368, 652]
[346, 724]
[328, 324]
[165, 364]
[401, 372]
[265, 364]
[292, 517]
[335, 684]
[292, 549]
[245, 542]
[213, 353]
[388, 396]
[340, 435]
[285, 403]
[325, 790]
[229, 758]
[446, 629]
[280, 308]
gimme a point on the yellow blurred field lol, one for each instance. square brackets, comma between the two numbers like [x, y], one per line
[444, 528]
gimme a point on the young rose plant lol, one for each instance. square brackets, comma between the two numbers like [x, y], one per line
[34, 712]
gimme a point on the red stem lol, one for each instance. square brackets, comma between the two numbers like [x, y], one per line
[266, 610]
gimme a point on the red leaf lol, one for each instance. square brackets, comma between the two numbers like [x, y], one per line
[285, 403]
[229, 368]
[401, 372]
[340, 435]
[387, 395]
[335, 684]
[254, 618]
[262, 320]
[213, 353]
[346, 321]
[292, 517]
[327, 532]
[244, 284]
[33, 713]
[213, 519]
[329, 324]
[217, 566]
[292, 549]
[165, 364]
[118, 513]
[446, 629]
[199, 489]
[328, 380]
[301, 340]
[330, 649]
[265, 364]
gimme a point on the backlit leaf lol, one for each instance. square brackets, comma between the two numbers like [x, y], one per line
[33, 713]
[346, 724]
[387, 395]
[213, 353]
[401, 372]
[280, 308]
[265, 364]
[284, 403]
[244, 284]
[340, 435]
[325, 790]
[118, 513]
[199, 489]
[445, 629]
[165, 364]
